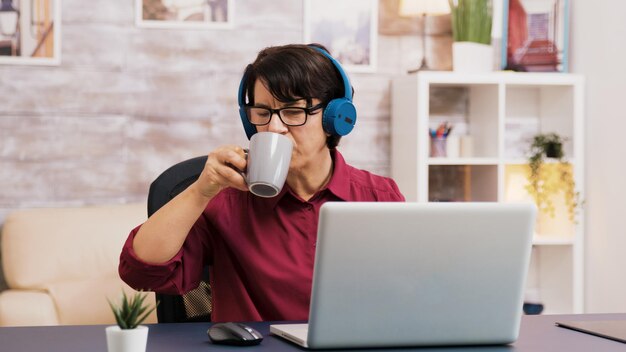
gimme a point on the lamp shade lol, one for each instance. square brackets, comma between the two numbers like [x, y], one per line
[414, 8]
[8, 18]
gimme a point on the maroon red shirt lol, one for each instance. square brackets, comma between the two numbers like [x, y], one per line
[260, 250]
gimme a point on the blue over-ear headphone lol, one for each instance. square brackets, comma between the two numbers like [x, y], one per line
[338, 118]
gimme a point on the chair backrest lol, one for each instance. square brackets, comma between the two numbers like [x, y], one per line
[195, 305]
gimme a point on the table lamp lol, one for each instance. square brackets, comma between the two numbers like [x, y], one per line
[8, 18]
[423, 8]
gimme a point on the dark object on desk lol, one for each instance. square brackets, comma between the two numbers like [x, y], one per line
[234, 334]
[532, 308]
[196, 305]
[609, 329]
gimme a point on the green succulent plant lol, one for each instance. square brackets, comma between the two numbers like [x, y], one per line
[543, 183]
[471, 20]
[131, 312]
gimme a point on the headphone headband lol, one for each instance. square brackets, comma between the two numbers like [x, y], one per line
[347, 87]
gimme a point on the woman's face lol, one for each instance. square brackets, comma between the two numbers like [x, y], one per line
[309, 140]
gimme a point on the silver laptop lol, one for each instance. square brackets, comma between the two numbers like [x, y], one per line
[416, 274]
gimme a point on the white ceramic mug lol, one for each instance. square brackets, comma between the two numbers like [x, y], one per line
[269, 156]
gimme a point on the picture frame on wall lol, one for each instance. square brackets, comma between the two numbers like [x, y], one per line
[535, 35]
[347, 28]
[184, 14]
[30, 32]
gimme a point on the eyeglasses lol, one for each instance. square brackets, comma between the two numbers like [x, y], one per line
[290, 116]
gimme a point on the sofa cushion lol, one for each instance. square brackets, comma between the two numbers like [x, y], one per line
[26, 308]
[74, 299]
[43, 246]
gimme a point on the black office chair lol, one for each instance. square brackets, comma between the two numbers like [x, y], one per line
[196, 305]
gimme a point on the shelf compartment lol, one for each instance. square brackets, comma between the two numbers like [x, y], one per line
[462, 183]
[547, 226]
[550, 270]
[531, 110]
[471, 109]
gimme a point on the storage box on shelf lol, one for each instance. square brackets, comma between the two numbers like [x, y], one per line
[498, 113]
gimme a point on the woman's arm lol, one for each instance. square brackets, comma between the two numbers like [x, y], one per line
[163, 234]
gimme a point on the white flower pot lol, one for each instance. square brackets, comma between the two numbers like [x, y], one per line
[129, 340]
[472, 57]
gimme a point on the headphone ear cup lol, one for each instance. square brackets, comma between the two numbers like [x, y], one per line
[339, 117]
[247, 126]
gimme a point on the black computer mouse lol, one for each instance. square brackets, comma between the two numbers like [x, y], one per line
[234, 334]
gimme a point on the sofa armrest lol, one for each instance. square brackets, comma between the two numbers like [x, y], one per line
[27, 308]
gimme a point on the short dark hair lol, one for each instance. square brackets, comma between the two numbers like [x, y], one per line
[296, 71]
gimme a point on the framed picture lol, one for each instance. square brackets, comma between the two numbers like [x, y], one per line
[535, 35]
[30, 32]
[347, 28]
[185, 14]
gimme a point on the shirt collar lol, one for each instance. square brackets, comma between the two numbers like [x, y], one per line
[339, 183]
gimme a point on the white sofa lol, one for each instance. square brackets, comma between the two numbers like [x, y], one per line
[61, 264]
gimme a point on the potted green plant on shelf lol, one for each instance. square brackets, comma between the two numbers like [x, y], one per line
[471, 31]
[128, 335]
[546, 182]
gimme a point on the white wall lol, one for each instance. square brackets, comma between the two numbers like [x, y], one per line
[598, 51]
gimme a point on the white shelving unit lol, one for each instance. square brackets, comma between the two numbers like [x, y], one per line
[500, 112]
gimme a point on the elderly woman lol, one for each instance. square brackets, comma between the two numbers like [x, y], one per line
[260, 250]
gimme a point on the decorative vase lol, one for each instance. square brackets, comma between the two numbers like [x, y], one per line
[554, 150]
[127, 340]
[472, 57]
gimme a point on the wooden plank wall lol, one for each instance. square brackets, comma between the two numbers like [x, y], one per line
[128, 102]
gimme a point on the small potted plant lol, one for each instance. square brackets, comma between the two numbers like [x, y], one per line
[128, 335]
[543, 182]
[471, 31]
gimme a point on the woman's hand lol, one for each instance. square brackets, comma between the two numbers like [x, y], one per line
[224, 168]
